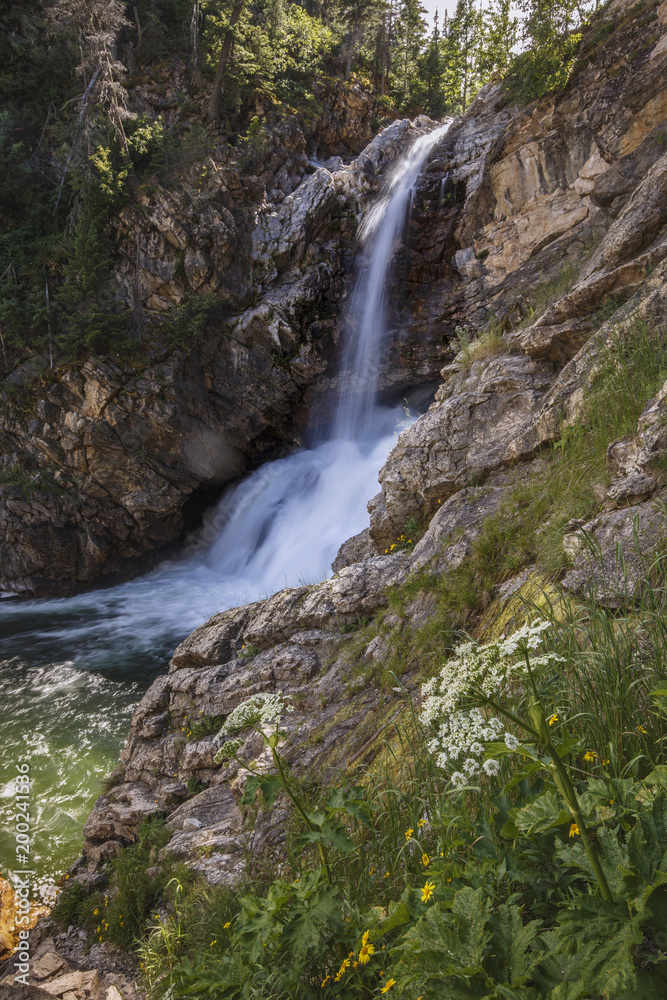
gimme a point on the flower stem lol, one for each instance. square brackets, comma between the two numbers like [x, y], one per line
[567, 789]
[570, 795]
[285, 783]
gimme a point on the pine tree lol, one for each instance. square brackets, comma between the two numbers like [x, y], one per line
[360, 18]
[409, 41]
[97, 24]
[432, 69]
[549, 31]
[463, 51]
[499, 36]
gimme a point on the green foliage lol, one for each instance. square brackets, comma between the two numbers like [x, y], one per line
[120, 912]
[552, 31]
[188, 321]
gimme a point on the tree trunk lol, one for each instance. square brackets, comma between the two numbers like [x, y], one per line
[353, 39]
[214, 102]
[194, 28]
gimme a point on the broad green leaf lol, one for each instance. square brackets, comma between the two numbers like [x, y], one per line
[331, 834]
[399, 913]
[514, 950]
[544, 813]
[303, 930]
[448, 949]
[602, 937]
[351, 802]
[269, 787]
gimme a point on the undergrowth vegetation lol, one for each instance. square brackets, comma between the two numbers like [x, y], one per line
[434, 887]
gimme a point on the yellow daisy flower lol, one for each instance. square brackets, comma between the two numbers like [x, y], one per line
[366, 949]
[427, 891]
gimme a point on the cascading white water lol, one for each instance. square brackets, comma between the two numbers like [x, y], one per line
[290, 517]
[281, 527]
[383, 224]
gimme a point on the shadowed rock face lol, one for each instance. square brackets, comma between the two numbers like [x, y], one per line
[98, 459]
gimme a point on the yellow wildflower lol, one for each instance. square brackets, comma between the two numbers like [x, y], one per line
[227, 925]
[574, 830]
[553, 720]
[355, 964]
[344, 966]
[325, 981]
[350, 954]
[421, 823]
[212, 943]
[387, 986]
[386, 875]
[425, 860]
[642, 730]
[95, 912]
[427, 891]
[408, 833]
[366, 949]
[590, 755]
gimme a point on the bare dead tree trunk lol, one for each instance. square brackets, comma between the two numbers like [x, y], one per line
[214, 102]
[48, 323]
[194, 29]
[138, 24]
[353, 41]
[4, 349]
[138, 311]
[84, 103]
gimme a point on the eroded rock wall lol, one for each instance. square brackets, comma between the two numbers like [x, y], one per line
[99, 458]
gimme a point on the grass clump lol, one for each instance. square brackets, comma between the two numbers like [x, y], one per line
[489, 343]
[546, 292]
[135, 885]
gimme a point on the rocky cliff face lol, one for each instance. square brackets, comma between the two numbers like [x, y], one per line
[101, 461]
[561, 228]
[544, 231]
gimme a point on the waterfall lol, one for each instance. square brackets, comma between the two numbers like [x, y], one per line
[289, 519]
[282, 526]
[382, 226]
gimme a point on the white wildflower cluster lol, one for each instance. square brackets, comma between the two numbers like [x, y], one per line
[263, 709]
[460, 744]
[474, 673]
[481, 670]
[227, 750]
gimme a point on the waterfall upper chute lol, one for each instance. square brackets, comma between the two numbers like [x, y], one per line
[380, 228]
[290, 518]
